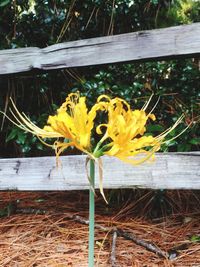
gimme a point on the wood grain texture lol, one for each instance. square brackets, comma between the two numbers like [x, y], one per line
[169, 171]
[164, 43]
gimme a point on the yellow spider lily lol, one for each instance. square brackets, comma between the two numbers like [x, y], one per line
[122, 136]
[124, 132]
[73, 122]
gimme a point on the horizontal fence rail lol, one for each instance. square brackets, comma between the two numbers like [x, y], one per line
[157, 44]
[168, 171]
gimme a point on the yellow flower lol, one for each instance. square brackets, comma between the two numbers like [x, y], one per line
[123, 134]
[73, 122]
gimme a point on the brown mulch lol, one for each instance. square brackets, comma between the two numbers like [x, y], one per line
[36, 229]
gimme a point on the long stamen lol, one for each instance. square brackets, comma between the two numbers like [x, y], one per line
[24, 123]
[154, 105]
[18, 125]
[169, 140]
[147, 103]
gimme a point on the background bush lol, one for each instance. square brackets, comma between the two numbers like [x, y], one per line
[41, 23]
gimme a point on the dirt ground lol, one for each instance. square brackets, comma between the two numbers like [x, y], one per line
[40, 229]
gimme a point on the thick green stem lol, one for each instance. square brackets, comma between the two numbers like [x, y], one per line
[91, 213]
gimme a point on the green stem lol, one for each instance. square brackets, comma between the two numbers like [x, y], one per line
[91, 213]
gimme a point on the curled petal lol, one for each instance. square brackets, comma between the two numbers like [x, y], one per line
[98, 128]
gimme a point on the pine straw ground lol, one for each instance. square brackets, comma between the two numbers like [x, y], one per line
[39, 231]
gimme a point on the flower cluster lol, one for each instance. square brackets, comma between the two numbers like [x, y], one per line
[121, 135]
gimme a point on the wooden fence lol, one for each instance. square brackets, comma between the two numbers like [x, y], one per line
[173, 42]
[170, 170]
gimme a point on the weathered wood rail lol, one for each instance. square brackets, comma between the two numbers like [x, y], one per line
[169, 171]
[157, 44]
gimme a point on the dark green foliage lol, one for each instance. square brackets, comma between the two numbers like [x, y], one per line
[42, 23]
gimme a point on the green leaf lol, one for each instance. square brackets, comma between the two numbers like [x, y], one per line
[39, 146]
[26, 149]
[184, 147]
[155, 128]
[195, 141]
[21, 136]
[12, 134]
[4, 3]
[154, 2]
